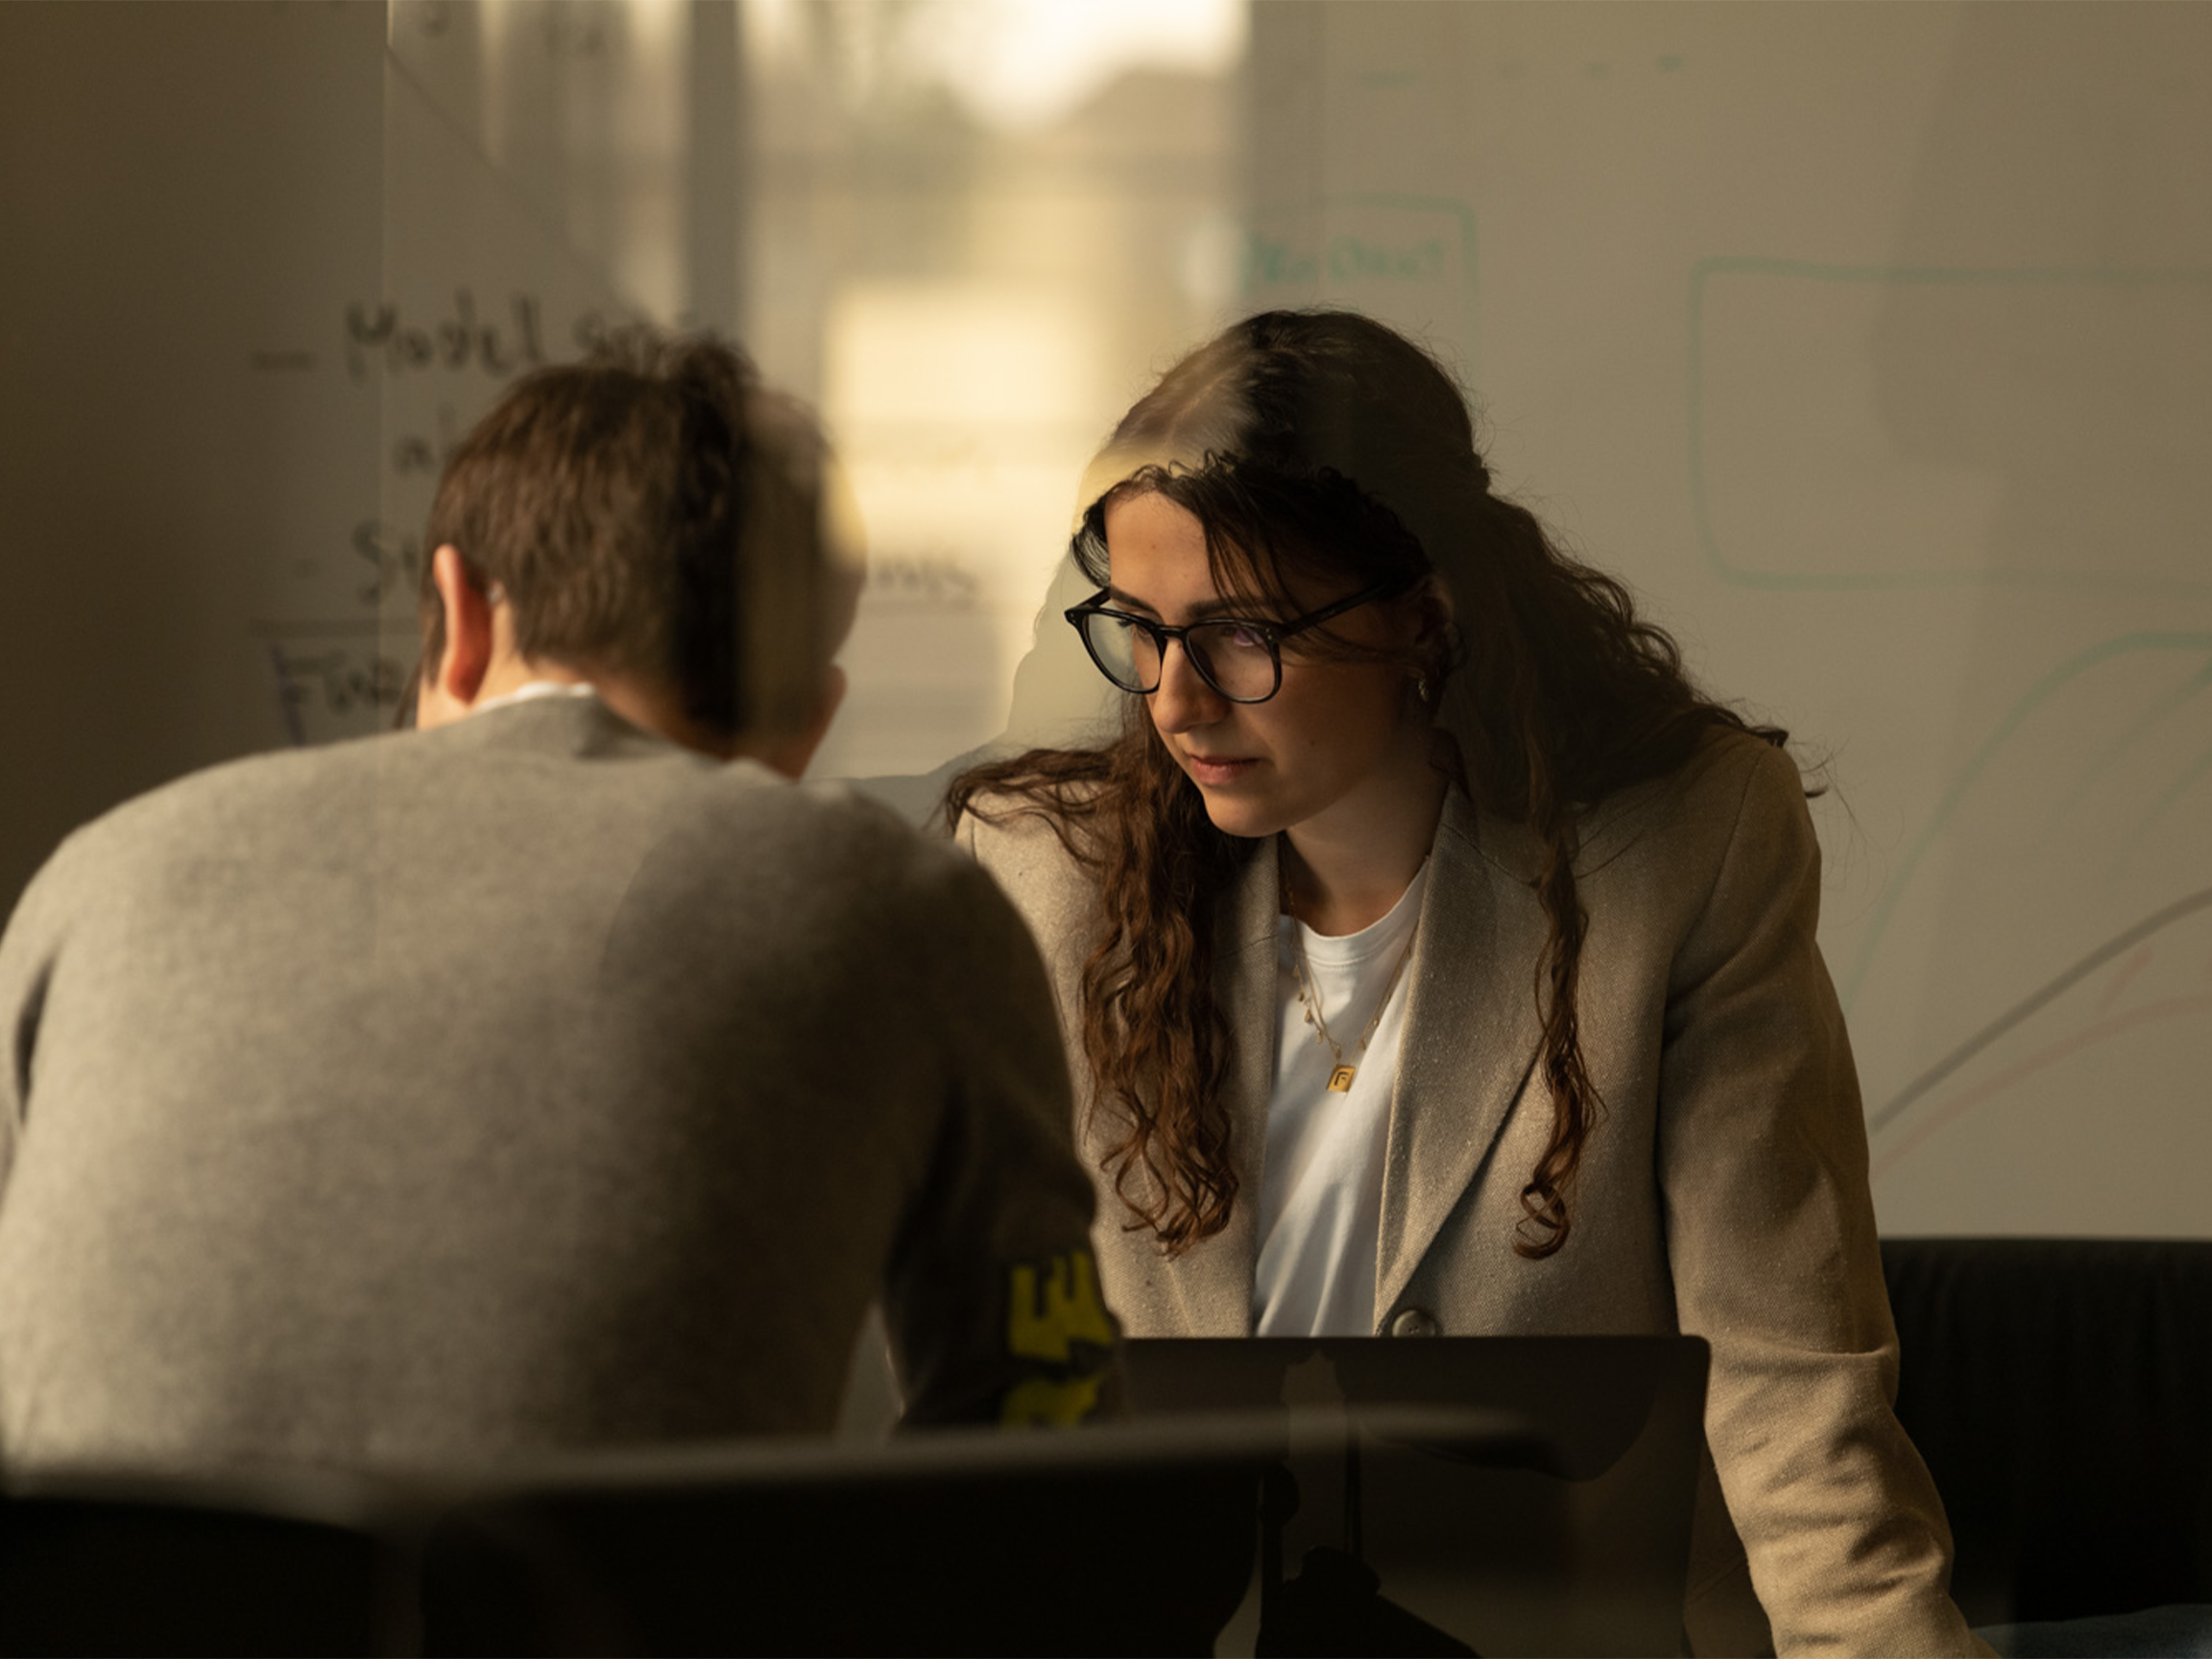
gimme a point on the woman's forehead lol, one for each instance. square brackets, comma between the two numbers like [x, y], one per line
[1157, 552]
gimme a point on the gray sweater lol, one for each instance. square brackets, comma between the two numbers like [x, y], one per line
[526, 1084]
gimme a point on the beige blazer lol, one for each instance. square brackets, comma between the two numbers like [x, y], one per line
[1723, 1192]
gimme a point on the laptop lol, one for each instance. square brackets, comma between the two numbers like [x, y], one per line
[1554, 1520]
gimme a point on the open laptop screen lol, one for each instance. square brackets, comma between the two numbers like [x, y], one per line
[1557, 1522]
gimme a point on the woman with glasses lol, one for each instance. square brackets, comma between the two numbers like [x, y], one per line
[1435, 957]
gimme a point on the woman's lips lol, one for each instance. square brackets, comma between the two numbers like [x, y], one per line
[1215, 772]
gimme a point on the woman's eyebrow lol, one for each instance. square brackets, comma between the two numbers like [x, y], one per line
[1243, 610]
[1128, 601]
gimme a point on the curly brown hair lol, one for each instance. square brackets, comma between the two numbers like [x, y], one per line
[1321, 445]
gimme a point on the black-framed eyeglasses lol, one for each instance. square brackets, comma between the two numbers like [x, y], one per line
[1241, 657]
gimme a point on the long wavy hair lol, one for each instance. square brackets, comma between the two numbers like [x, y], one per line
[1321, 449]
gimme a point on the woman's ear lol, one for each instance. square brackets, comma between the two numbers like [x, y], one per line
[1434, 615]
[1433, 592]
[1435, 645]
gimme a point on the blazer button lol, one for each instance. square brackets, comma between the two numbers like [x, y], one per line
[1413, 1322]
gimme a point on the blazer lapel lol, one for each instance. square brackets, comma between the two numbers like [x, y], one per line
[1473, 1024]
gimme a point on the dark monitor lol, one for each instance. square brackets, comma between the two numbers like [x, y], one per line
[1563, 1528]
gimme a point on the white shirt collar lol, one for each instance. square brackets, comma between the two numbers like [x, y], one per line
[535, 689]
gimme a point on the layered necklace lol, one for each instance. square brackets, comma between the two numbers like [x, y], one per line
[1309, 996]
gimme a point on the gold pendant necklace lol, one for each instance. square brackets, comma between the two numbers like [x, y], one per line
[1310, 995]
[1340, 1077]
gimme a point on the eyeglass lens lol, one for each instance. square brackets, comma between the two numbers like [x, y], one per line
[1231, 656]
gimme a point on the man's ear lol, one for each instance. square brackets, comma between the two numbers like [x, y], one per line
[790, 753]
[458, 672]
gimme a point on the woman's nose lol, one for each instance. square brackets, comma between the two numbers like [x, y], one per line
[1184, 700]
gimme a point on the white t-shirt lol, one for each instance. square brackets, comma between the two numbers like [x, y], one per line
[1321, 1199]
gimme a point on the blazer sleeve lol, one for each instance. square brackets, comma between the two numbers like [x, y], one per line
[28, 952]
[992, 1296]
[1776, 1260]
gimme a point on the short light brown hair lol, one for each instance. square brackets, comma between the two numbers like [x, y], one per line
[654, 512]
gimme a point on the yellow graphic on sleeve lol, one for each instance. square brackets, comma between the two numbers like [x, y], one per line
[1054, 1315]
[1054, 1305]
[1041, 1403]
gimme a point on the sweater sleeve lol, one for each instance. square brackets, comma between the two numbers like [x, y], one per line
[1771, 1239]
[993, 1296]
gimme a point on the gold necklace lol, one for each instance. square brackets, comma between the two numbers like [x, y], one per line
[1340, 1077]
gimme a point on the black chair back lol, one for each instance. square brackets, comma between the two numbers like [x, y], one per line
[1106, 1540]
[114, 1563]
[2061, 1391]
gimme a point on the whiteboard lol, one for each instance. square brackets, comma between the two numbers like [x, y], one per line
[1873, 345]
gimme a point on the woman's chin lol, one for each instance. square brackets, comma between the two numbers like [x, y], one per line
[1244, 817]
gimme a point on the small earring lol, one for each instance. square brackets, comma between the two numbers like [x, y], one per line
[1423, 689]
